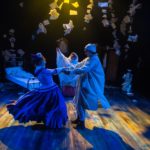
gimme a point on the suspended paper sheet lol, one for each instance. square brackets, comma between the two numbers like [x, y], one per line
[41, 29]
[68, 27]
[88, 18]
[105, 23]
[76, 4]
[60, 6]
[53, 5]
[73, 13]
[88, 11]
[66, 1]
[46, 22]
[103, 4]
[54, 15]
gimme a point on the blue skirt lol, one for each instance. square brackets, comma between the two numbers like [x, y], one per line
[42, 105]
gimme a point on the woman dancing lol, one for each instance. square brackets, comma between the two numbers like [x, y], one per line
[45, 104]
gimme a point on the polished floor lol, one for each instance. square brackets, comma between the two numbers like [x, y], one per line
[125, 127]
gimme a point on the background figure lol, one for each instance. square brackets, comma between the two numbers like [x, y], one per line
[62, 44]
[127, 84]
[92, 81]
[67, 83]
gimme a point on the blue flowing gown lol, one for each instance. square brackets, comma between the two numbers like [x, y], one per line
[45, 104]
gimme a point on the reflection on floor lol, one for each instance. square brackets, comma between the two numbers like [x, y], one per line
[125, 126]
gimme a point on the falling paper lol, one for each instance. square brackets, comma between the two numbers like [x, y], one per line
[68, 27]
[46, 22]
[53, 5]
[103, 4]
[133, 38]
[60, 6]
[54, 14]
[66, 1]
[105, 23]
[90, 6]
[73, 12]
[88, 11]
[41, 29]
[76, 4]
[88, 18]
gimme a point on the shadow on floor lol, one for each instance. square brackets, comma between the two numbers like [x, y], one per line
[40, 138]
[33, 138]
[103, 139]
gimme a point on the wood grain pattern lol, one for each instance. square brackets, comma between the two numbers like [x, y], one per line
[125, 126]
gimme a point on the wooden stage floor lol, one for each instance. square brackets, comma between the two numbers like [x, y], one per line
[126, 126]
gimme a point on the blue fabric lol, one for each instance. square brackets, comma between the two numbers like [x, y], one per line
[44, 105]
[92, 84]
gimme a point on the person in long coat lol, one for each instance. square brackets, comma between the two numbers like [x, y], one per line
[90, 89]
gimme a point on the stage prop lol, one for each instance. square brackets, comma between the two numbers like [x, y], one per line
[22, 78]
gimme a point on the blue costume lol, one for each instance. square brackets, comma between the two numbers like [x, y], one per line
[90, 89]
[45, 104]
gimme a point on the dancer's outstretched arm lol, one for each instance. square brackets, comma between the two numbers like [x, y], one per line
[87, 67]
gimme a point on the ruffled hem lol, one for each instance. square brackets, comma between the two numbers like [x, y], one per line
[48, 107]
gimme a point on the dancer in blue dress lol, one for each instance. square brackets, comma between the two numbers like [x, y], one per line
[45, 104]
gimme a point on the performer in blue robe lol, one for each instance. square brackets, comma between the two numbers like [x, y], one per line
[90, 89]
[45, 104]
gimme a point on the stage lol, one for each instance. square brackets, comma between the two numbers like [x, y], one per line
[125, 126]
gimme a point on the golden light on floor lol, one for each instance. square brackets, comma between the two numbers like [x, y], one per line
[130, 125]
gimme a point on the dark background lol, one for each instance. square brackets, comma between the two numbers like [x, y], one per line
[25, 22]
